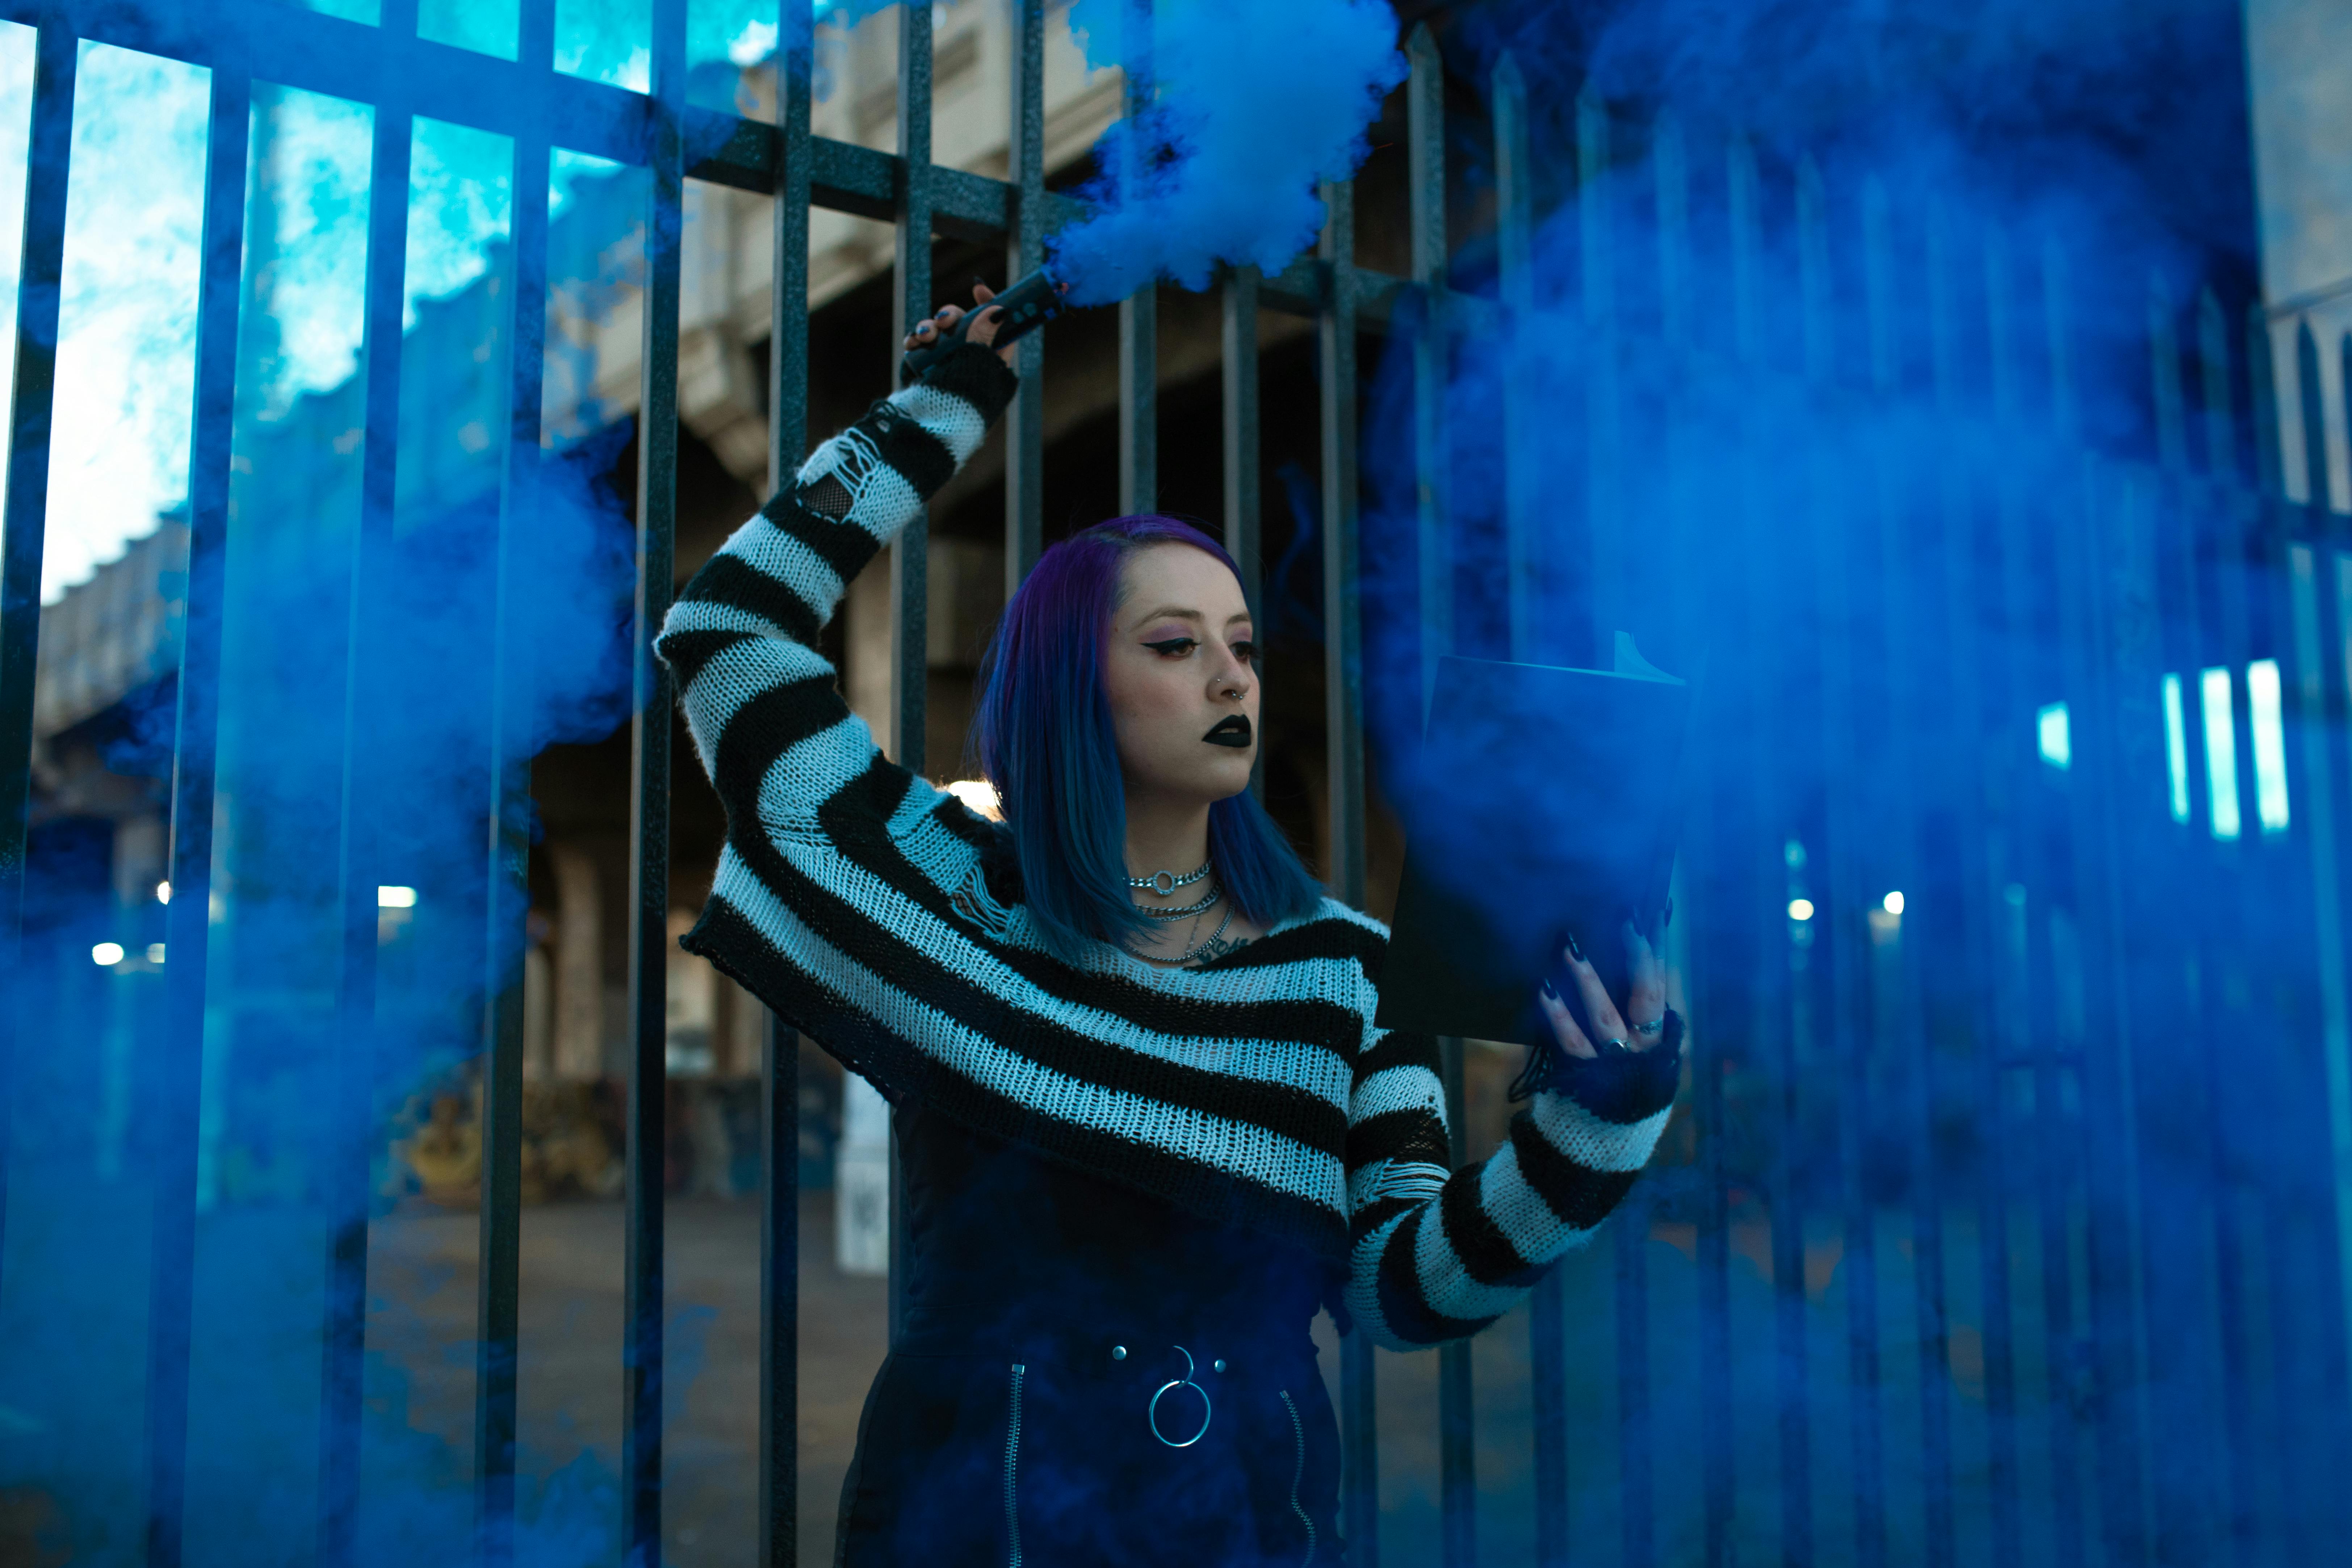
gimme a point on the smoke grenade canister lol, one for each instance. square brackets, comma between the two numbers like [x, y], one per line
[1027, 305]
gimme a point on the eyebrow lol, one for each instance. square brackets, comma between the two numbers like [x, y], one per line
[1184, 615]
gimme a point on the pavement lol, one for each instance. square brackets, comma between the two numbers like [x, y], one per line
[423, 1280]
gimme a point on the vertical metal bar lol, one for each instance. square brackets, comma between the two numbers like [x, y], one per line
[40, 268]
[2298, 1313]
[2213, 357]
[1522, 492]
[1799, 1033]
[2112, 1373]
[2315, 416]
[1343, 714]
[2193, 1265]
[2330, 574]
[1741, 974]
[498, 1307]
[1591, 542]
[2002, 1039]
[1425, 166]
[1024, 428]
[914, 290]
[1850, 956]
[1244, 453]
[2321, 687]
[186, 920]
[1637, 1496]
[1425, 169]
[650, 868]
[1912, 577]
[780, 1082]
[2344, 379]
[2067, 1367]
[910, 583]
[1601, 441]
[2164, 377]
[371, 558]
[2316, 1507]
[1245, 482]
[1515, 227]
[1139, 313]
[1456, 1417]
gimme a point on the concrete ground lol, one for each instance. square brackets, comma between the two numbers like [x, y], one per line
[422, 1276]
[422, 1282]
[423, 1273]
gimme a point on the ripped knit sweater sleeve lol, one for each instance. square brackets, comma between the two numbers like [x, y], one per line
[1437, 1254]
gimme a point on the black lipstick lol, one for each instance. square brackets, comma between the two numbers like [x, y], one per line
[1232, 730]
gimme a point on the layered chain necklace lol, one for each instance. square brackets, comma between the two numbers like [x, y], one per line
[1167, 882]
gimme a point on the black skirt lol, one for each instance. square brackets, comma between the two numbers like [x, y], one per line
[1088, 1376]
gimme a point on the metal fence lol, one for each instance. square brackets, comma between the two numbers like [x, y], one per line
[2175, 1391]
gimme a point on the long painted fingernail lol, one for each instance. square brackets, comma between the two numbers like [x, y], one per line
[1574, 951]
[1548, 991]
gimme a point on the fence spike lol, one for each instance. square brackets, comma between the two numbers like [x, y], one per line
[2314, 412]
[2261, 380]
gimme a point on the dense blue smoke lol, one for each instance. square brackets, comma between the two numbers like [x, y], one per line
[1253, 102]
[1884, 368]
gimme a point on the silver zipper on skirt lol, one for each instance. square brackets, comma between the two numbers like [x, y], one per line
[1298, 1433]
[1012, 1464]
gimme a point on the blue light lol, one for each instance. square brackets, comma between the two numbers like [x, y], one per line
[2176, 747]
[2057, 745]
[2221, 752]
[2269, 726]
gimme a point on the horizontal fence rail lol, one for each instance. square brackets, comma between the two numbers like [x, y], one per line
[1995, 1253]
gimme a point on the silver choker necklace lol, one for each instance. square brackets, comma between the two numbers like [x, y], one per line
[1166, 882]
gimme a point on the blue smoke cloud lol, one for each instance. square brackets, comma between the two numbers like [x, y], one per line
[1253, 103]
[402, 644]
[1856, 338]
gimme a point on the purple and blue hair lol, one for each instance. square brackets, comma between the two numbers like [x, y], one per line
[1043, 735]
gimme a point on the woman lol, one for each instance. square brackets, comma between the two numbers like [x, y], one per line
[1146, 1124]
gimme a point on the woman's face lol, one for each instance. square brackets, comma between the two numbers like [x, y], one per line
[1182, 675]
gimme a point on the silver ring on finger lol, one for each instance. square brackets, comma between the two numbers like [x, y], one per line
[1612, 1045]
[1652, 1027]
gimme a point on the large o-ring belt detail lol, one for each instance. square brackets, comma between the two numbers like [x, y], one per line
[1208, 1411]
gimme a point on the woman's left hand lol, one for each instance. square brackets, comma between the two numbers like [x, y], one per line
[983, 330]
[1646, 999]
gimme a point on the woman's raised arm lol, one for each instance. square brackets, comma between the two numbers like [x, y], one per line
[741, 638]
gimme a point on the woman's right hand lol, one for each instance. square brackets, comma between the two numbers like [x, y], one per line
[983, 330]
[1645, 1000]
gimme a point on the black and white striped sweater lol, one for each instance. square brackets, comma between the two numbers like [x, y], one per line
[883, 918]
